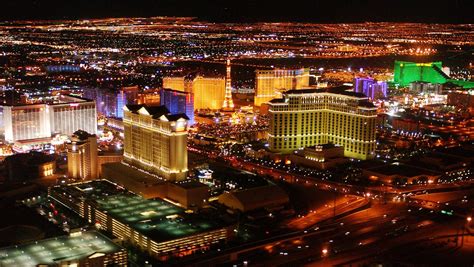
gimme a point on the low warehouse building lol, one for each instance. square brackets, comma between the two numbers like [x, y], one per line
[263, 197]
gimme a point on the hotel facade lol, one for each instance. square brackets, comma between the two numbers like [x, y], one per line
[65, 115]
[178, 102]
[82, 156]
[269, 84]
[309, 117]
[156, 141]
[110, 103]
[208, 92]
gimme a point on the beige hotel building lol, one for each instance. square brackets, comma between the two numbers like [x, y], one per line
[82, 156]
[308, 117]
[269, 84]
[209, 92]
[156, 140]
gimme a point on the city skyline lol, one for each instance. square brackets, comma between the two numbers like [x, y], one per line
[236, 133]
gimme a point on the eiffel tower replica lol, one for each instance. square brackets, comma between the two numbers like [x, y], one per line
[228, 104]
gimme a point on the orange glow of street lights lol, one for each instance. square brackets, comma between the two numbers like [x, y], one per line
[469, 219]
[324, 251]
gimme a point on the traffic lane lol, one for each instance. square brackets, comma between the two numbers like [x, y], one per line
[416, 234]
[339, 246]
[316, 216]
[346, 235]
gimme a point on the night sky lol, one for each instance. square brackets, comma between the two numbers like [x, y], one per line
[447, 11]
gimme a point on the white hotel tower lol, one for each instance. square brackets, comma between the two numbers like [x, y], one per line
[65, 115]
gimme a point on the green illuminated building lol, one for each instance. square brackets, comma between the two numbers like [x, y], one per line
[408, 72]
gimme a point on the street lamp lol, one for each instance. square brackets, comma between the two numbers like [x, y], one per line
[325, 252]
[465, 227]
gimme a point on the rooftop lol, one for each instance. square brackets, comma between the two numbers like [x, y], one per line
[82, 135]
[155, 218]
[341, 90]
[156, 111]
[57, 100]
[324, 146]
[437, 159]
[189, 184]
[175, 91]
[54, 250]
[133, 174]
[459, 151]
[151, 109]
[30, 158]
[255, 198]
[366, 104]
[175, 117]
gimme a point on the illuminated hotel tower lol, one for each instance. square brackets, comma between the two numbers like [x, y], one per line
[82, 156]
[156, 141]
[208, 92]
[309, 117]
[270, 84]
[178, 102]
[228, 103]
[65, 115]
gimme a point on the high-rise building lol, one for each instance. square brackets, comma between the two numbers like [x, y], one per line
[65, 115]
[370, 87]
[110, 103]
[228, 102]
[72, 113]
[126, 95]
[176, 83]
[156, 140]
[106, 100]
[309, 117]
[82, 156]
[150, 97]
[178, 102]
[269, 84]
[208, 92]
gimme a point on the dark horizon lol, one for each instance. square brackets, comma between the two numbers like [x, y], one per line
[335, 11]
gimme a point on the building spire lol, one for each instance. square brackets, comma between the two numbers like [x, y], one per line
[228, 103]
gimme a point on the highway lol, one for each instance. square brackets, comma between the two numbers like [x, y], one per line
[354, 237]
[343, 206]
